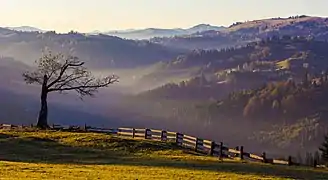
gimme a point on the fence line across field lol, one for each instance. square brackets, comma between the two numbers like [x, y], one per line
[199, 145]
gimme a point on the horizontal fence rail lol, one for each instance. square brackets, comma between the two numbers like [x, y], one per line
[199, 145]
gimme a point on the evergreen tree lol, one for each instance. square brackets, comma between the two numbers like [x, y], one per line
[324, 150]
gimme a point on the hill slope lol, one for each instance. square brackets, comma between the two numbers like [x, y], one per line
[53, 155]
[158, 32]
[25, 29]
[259, 74]
[98, 51]
[241, 33]
[247, 67]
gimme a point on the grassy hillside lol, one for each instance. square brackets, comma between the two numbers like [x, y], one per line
[53, 155]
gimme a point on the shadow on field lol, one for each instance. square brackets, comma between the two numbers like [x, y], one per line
[127, 152]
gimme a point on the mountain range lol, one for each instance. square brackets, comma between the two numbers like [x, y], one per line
[241, 33]
[138, 33]
[158, 32]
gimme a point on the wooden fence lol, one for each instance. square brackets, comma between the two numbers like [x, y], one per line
[197, 144]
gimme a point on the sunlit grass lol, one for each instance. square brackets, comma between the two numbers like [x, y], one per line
[65, 155]
[10, 170]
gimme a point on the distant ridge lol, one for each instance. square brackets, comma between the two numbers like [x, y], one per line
[25, 29]
[159, 32]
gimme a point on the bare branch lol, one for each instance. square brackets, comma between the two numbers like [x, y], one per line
[88, 87]
[70, 62]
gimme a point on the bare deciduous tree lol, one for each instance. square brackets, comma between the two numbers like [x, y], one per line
[60, 73]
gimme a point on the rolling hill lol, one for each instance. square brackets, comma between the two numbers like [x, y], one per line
[26, 29]
[34, 154]
[98, 51]
[294, 25]
[157, 32]
[241, 33]
[249, 66]
[218, 93]
[292, 113]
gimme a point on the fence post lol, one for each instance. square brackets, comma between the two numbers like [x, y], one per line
[198, 144]
[146, 133]
[212, 148]
[164, 136]
[264, 157]
[241, 152]
[133, 132]
[118, 132]
[177, 138]
[237, 148]
[221, 150]
[290, 160]
[85, 127]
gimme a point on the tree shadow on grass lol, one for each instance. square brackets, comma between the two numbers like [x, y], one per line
[125, 152]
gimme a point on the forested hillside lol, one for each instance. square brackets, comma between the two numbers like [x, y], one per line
[240, 33]
[272, 50]
[217, 72]
[99, 51]
[278, 101]
[271, 84]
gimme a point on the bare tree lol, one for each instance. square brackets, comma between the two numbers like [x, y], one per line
[60, 73]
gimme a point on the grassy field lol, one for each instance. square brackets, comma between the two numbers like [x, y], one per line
[63, 155]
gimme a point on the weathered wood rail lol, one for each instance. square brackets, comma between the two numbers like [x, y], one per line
[199, 145]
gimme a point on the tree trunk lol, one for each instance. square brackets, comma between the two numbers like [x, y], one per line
[43, 114]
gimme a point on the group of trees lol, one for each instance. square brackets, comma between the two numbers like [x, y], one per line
[319, 157]
[198, 87]
[277, 100]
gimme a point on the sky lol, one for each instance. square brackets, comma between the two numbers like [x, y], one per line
[90, 15]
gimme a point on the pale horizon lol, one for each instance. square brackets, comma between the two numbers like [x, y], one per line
[105, 15]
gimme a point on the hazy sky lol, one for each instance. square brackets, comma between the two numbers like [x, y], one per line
[87, 15]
